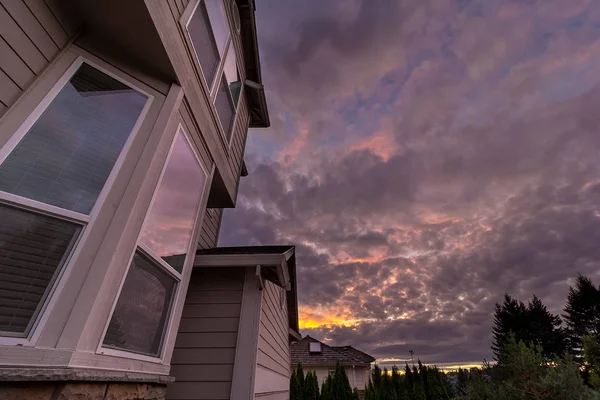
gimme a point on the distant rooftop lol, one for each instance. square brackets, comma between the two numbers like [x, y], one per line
[329, 355]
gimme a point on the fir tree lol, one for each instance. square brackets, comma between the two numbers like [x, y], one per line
[341, 389]
[581, 314]
[509, 317]
[418, 392]
[409, 381]
[591, 352]
[311, 386]
[545, 329]
[532, 324]
[295, 393]
[300, 378]
[388, 392]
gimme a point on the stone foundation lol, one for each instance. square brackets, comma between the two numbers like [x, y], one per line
[81, 391]
[80, 384]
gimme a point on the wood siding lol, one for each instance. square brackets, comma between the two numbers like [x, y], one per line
[204, 352]
[167, 17]
[31, 35]
[273, 358]
[210, 228]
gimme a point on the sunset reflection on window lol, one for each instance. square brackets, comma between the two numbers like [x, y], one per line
[168, 228]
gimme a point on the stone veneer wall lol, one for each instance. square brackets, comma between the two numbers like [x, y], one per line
[81, 391]
[80, 384]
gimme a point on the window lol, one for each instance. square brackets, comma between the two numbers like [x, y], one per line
[315, 347]
[210, 36]
[51, 176]
[140, 318]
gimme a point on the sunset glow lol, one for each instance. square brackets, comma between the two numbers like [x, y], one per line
[425, 157]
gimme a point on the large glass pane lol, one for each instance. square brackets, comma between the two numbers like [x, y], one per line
[142, 311]
[33, 248]
[66, 157]
[168, 227]
[225, 107]
[232, 75]
[204, 43]
[218, 22]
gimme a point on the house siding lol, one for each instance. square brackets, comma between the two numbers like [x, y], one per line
[30, 38]
[273, 358]
[204, 354]
[210, 228]
[167, 17]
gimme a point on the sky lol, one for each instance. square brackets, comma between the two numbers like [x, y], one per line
[425, 157]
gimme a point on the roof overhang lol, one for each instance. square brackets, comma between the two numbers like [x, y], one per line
[276, 264]
[255, 92]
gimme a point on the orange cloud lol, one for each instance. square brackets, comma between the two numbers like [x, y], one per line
[380, 143]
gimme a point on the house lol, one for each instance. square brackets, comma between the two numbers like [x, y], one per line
[322, 359]
[122, 133]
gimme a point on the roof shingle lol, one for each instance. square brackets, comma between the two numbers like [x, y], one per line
[330, 355]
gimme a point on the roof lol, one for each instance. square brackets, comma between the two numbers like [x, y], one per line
[330, 355]
[259, 114]
[247, 250]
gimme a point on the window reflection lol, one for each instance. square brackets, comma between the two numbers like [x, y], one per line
[140, 317]
[67, 155]
[218, 22]
[168, 228]
[232, 75]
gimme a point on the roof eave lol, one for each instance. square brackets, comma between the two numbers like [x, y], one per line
[259, 113]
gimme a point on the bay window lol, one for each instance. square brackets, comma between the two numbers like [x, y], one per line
[211, 38]
[53, 171]
[165, 247]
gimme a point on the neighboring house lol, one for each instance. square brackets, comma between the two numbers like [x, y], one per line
[123, 125]
[321, 358]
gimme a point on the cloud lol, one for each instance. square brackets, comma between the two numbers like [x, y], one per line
[425, 158]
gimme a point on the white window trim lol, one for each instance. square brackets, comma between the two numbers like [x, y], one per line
[179, 277]
[46, 209]
[212, 88]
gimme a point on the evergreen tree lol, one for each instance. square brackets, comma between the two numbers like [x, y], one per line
[462, 381]
[532, 324]
[398, 383]
[370, 391]
[376, 377]
[355, 394]
[544, 328]
[388, 392]
[581, 314]
[418, 392]
[509, 317]
[311, 386]
[409, 381]
[295, 393]
[300, 378]
[341, 389]
[591, 352]
[327, 389]
[423, 375]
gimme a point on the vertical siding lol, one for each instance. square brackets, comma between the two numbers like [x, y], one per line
[30, 37]
[273, 358]
[204, 352]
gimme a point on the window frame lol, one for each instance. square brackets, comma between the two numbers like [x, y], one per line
[40, 318]
[180, 278]
[212, 88]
